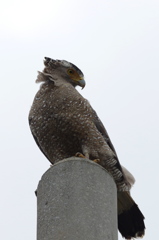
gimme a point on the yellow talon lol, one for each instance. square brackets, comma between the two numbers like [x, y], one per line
[96, 160]
[80, 155]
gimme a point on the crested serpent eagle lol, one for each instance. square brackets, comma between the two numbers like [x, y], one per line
[63, 123]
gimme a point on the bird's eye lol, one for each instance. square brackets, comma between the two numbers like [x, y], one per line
[70, 71]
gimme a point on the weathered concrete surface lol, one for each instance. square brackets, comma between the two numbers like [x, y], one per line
[76, 201]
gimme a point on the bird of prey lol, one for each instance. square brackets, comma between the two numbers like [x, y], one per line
[63, 123]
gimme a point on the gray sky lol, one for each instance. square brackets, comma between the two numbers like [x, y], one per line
[116, 45]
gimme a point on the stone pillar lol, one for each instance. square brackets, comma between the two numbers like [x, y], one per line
[76, 200]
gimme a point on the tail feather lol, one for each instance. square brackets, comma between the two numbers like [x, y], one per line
[130, 219]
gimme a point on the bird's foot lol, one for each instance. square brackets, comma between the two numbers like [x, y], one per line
[80, 155]
[96, 161]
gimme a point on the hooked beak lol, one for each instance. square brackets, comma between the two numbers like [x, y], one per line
[81, 82]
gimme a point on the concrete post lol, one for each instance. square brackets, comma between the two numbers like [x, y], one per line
[76, 200]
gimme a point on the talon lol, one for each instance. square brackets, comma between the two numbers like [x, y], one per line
[96, 160]
[80, 155]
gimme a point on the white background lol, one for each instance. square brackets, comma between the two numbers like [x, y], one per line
[116, 45]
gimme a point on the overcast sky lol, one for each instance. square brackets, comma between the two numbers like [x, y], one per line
[116, 45]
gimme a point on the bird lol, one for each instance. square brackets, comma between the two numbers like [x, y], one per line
[64, 124]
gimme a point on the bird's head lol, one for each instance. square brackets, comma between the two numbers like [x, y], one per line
[61, 69]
